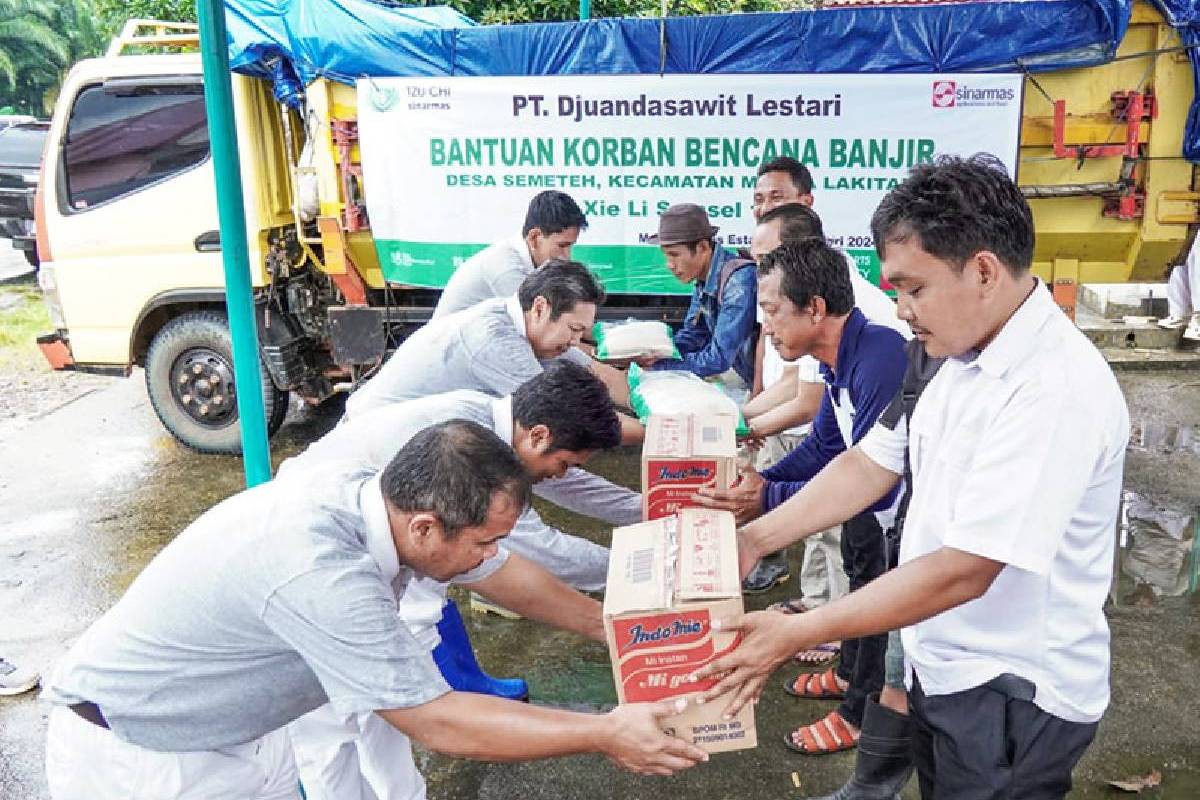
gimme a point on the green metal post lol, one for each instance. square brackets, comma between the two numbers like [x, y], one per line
[585, 9]
[231, 209]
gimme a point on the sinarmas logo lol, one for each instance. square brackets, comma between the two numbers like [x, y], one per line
[951, 94]
[944, 94]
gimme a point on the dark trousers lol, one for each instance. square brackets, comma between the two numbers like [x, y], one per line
[993, 742]
[864, 556]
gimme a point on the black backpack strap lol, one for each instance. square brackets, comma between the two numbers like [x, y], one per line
[727, 269]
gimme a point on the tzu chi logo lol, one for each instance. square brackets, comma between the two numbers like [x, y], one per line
[944, 93]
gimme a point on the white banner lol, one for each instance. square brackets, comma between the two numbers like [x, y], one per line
[450, 164]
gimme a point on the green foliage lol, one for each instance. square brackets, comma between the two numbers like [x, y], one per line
[114, 13]
[39, 40]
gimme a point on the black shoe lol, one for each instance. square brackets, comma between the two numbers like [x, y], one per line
[884, 761]
[767, 574]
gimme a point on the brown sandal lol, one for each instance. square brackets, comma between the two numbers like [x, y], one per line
[815, 686]
[793, 606]
[831, 734]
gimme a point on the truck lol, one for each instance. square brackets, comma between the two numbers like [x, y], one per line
[126, 215]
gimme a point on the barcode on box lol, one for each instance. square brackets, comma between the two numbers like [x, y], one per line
[639, 568]
[709, 434]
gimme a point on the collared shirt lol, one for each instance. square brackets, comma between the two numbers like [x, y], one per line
[373, 438]
[870, 365]
[482, 348]
[275, 601]
[1017, 456]
[496, 271]
[718, 335]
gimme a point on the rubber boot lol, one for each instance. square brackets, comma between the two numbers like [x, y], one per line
[884, 760]
[455, 658]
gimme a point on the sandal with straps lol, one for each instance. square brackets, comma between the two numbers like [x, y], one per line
[831, 734]
[816, 686]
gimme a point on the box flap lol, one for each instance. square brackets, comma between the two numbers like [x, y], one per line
[640, 567]
[708, 559]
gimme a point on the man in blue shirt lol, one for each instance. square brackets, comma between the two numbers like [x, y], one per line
[808, 306]
[719, 332]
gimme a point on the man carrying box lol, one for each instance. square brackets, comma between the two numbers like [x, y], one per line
[1016, 448]
[806, 296]
[283, 597]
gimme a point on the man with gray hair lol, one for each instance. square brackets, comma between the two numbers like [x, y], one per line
[283, 597]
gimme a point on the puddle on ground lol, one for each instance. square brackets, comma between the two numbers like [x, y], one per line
[1160, 437]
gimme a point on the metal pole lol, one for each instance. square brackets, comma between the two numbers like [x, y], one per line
[585, 9]
[239, 298]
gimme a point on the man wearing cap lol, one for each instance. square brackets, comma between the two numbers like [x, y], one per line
[718, 333]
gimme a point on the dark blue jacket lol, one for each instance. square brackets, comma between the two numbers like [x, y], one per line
[718, 335]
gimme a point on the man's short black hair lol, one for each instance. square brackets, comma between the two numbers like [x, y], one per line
[956, 207]
[796, 221]
[453, 470]
[553, 212]
[573, 403]
[801, 177]
[563, 283]
[811, 268]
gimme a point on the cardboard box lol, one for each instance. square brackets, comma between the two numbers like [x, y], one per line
[667, 580]
[682, 454]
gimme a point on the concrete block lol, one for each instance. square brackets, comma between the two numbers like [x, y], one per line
[1117, 300]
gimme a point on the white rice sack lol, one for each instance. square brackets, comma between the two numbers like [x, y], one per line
[671, 391]
[622, 341]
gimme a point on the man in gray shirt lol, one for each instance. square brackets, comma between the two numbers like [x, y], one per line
[282, 598]
[494, 346]
[553, 223]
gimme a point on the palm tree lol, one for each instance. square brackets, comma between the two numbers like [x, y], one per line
[27, 39]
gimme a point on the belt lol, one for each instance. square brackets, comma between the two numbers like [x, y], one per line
[91, 712]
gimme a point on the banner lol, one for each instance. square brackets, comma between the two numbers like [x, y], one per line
[450, 164]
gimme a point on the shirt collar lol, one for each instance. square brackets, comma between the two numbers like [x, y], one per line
[1019, 334]
[847, 350]
[502, 418]
[380, 543]
[519, 244]
[513, 305]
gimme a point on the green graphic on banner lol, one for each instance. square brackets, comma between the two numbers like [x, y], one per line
[623, 269]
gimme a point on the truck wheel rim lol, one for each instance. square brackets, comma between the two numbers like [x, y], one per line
[202, 385]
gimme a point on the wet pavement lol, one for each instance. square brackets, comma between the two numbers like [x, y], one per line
[92, 491]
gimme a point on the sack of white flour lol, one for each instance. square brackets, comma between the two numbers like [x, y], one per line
[669, 391]
[634, 338]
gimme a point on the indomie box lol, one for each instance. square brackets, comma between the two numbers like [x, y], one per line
[682, 454]
[668, 579]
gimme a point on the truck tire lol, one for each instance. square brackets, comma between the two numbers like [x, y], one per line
[189, 377]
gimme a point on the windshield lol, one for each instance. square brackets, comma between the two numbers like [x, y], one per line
[21, 145]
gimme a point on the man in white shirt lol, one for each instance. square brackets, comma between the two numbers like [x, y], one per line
[553, 223]
[1016, 448]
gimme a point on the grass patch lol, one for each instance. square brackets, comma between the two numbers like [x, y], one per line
[21, 323]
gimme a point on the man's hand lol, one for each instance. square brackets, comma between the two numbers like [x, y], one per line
[748, 553]
[769, 640]
[753, 440]
[635, 741]
[745, 499]
[646, 362]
